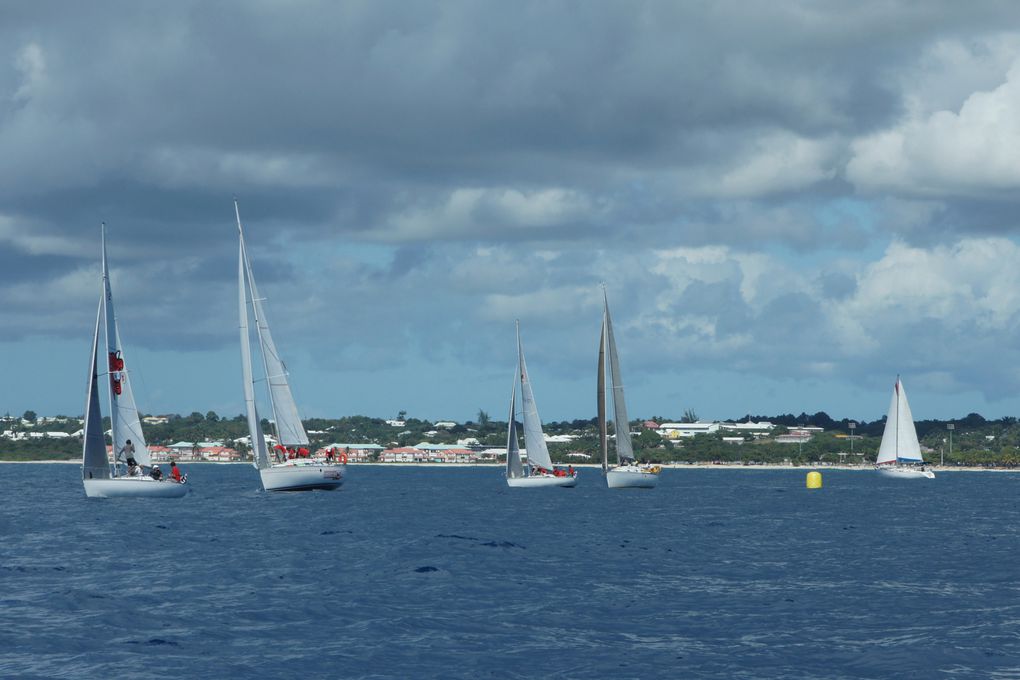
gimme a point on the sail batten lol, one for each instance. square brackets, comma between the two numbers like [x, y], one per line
[534, 440]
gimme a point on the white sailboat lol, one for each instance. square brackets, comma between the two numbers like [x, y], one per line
[627, 473]
[540, 470]
[281, 470]
[101, 478]
[899, 455]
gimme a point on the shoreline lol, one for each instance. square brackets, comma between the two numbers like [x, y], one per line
[581, 466]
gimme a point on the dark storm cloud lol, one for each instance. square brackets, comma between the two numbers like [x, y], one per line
[503, 159]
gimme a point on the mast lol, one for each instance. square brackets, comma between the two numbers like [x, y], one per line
[624, 447]
[107, 302]
[260, 455]
[534, 440]
[603, 433]
[287, 421]
[897, 430]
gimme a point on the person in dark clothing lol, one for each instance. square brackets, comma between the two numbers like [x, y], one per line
[156, 473]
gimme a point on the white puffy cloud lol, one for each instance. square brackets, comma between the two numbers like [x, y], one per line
[969, 151]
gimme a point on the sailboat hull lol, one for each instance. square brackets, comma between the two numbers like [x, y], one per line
[133, 487]
[540, 481]
[302, 477]
[632, 477]
[905, 472]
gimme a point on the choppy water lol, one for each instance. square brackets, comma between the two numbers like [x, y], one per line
[418, 573]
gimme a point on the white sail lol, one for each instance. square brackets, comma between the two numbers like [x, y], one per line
[260, 454]
[126, 427]
[624, 447]
[899, 440]
[289, 429]
[94, 462]
[514, 468]
[534, 440]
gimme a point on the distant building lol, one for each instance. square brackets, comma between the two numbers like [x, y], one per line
[681, 430]
[396, 423]
[446, 424]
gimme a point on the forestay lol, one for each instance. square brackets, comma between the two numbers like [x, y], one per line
[899, 440]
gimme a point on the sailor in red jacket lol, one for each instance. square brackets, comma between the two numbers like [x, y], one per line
[175, 472]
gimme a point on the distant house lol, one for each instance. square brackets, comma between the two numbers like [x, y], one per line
[682, 430]
[219, 454]
[404, 454]
[650, 425]
[396, 423]
[356, 453]
[155, 420]
[446, 424]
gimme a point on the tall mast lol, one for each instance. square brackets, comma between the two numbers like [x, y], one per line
[897, 430]
[107, 323]
[255, 315]
[603, 433]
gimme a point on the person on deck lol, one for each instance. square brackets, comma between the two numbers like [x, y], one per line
[156, 473]
[175, 472]
[127, 452]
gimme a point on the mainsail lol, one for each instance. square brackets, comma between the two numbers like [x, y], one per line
[260, 454]
[534, 440]
[125, 424]
[624, 447]
[899, 440]
[289, 428]
[514, 468]
[94, 462]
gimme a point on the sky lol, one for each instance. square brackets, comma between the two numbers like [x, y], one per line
[790, 204]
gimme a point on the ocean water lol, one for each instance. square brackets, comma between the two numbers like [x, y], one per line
[447, 573]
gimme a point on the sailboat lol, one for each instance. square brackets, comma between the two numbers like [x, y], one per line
[899, 455]
[627, 473]
[540, 470]
[101, 478]
[287, 468]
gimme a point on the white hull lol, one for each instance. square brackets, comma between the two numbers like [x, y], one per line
[632, 477]
[905, 472]
[288, 477]
[133, 487]
[541, 480]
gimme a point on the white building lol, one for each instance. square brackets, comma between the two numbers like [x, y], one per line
[682, 430]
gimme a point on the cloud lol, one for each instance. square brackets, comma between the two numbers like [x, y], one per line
[966, 152]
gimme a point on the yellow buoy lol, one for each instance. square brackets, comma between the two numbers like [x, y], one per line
[814, 480]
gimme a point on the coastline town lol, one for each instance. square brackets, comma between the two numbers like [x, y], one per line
[411, 441]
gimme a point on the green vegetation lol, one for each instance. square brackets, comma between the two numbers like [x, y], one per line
[976, 441]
